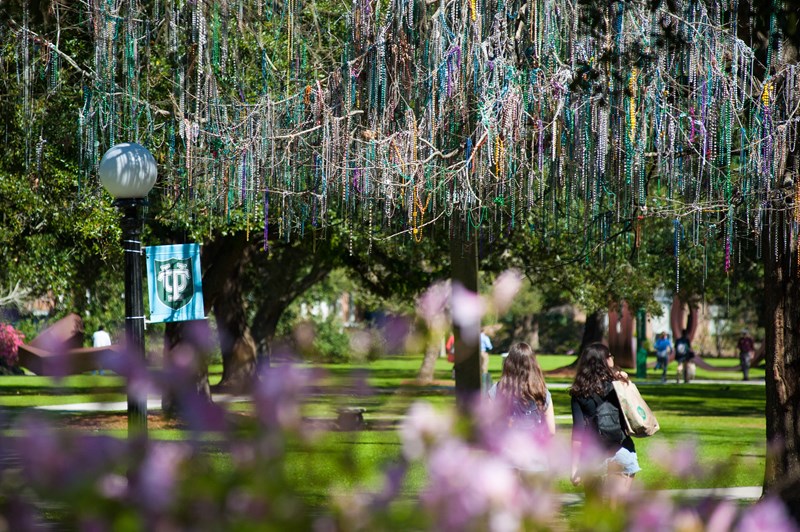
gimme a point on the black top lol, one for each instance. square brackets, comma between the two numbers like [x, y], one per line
[585, 408]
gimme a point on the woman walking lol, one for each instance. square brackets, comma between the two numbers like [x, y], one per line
[596, 416]
[522, 393]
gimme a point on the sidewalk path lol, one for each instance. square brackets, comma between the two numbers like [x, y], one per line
[740, 493]
[657, 382]
[122, 406]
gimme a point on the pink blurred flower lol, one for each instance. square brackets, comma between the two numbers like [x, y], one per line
[277, 398]
[113, 486]
[467, 309]
[422, 427]
[768, 514]
[687, 519]
[722, 517]
[653, 515]
[495, 480]
[680, 460]
[505, 288]
[432, 306]
[158, 474]
[451, 495]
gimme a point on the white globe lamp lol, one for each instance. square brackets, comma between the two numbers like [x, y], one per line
[128, 170]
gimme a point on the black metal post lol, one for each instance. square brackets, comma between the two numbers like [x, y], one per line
[134, 306]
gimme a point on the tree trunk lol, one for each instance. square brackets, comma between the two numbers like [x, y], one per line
[220, 257]
[782, 295]
[426, 372]
[185, 337]
[620, 336]
[263, 331]
[677, 322]
[236, 342]
[532, 331]
[592, 330]
[782, 336]
[464, 264]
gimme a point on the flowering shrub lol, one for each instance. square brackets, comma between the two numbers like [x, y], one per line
[255, 471]
[259, 469]
[10, 340]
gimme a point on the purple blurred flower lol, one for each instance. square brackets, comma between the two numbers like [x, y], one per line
[423, 426]
[490, 420]
[467, 309]
[200, 413]
[361, 343]
[687, 519]
[277, 397]
[680, 460]
[468, 486]
[393, 478]
[113, 486]
[450, 494]
[505, 288]
[768, 514]
[432, 306]
[526, 450]
[131, 366]
[45, 461]
[157, 476]
[57, 460]
[395, 331]
[495, 479]
[722, 517]
[652, 515]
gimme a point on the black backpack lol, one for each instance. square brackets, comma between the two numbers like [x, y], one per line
[606, 421]
[683, 350]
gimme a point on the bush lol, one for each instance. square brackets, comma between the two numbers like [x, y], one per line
[331, 342]
[10, 340]
[322, 341]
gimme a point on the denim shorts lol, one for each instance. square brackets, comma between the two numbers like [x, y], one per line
[624, 462]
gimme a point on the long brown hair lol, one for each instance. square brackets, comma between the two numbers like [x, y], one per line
[593, 371]
[522, 377]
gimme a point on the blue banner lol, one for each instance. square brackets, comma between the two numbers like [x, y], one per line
[174, 283]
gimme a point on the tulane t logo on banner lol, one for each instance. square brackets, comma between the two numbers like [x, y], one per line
[174, 283]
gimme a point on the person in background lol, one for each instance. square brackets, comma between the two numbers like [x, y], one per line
[450, 348]
[100, 338]
[592, 388]
[524, 395]
[684, 356]
[486, 346]
[663, 353]
[747, 349]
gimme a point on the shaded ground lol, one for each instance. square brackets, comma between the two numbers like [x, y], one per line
[115, 421]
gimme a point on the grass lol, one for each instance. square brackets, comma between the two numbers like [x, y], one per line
[725, 421]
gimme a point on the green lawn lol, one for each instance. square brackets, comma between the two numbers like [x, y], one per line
[724, 421]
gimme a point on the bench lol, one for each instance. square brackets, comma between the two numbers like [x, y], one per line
[350, 418]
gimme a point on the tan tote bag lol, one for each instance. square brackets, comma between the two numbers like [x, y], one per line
[640, 420]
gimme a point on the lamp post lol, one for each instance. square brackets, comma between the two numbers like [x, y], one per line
[128, 171]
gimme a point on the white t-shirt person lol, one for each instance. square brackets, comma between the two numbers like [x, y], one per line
[101, 338]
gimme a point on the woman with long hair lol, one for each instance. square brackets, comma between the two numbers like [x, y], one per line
[593, 417]
[522, 390]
